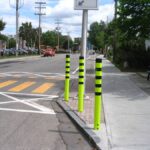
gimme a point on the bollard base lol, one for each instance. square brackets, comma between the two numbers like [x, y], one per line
[85, 97]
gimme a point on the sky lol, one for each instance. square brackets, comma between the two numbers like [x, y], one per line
[56, 10]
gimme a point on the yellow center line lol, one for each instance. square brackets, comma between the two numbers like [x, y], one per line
[21, 86]
[43, 88]
[6, 83]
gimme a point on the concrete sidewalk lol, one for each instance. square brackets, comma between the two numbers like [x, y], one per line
[126, 117]
[126, 109]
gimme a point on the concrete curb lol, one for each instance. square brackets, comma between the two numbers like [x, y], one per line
[142, 74]
[97, 138]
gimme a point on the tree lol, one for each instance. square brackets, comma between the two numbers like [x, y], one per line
[49, 38]
[133, 18]
[34, 39]
[2, 25]
[96, 34]
[28, 33]
[11, 43]
[132, 27]
[3, 37]
[65, 43]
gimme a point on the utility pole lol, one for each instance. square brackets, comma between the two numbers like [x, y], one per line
[116, 9]
[40, 8]
[115, 34]
[17, 6]
[57, 29]
[69, 41]
[17, 21]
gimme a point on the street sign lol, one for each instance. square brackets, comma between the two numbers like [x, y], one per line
[86, 4]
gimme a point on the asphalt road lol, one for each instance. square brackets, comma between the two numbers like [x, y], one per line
[30, 119]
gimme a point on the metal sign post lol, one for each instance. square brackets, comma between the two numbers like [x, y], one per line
[85, 5]
[84, 41]
[84, 32]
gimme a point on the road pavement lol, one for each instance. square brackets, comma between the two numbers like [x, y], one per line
[29, 116]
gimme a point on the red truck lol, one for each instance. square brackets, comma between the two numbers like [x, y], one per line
[48, 52]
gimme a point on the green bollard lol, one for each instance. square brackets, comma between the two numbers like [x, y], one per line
[81, 85]
[98, 94]
[67, 79]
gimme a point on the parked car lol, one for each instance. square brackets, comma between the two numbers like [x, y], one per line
[7, 51]
[22, 51]
[49, 52]
[91, 52]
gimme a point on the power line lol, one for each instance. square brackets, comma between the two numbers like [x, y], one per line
[40, 6]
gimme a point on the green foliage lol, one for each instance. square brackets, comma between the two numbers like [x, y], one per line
[28, 33]
[128, 32]
[133, 52]
[2, 25]
[65, 43]
[133, 18]
[3, 37]
[11, 43]
[97, 34]
[49, 38]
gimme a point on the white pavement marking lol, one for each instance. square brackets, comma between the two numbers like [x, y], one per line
[38, 74]
[37, 99]
[29, 100]
[29, 111]
[8, 102]
[74, 72]
[5, 74]
[32, 104]
[26, 94]
[44, 76]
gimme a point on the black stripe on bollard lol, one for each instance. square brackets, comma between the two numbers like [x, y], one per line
[67, 72]
[98, 85]
[81, 76]
[67, 67]
[67, 62]
[81, 64]
[98, 69]
[98, 93]
[98, 60]
[81, 70]
[81, 82]
[98, 77]
[81, 57]
[67, 56]
[67, 77]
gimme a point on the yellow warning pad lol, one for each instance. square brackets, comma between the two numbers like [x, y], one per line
[22, 86]
[6, 83]
[43, 88]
